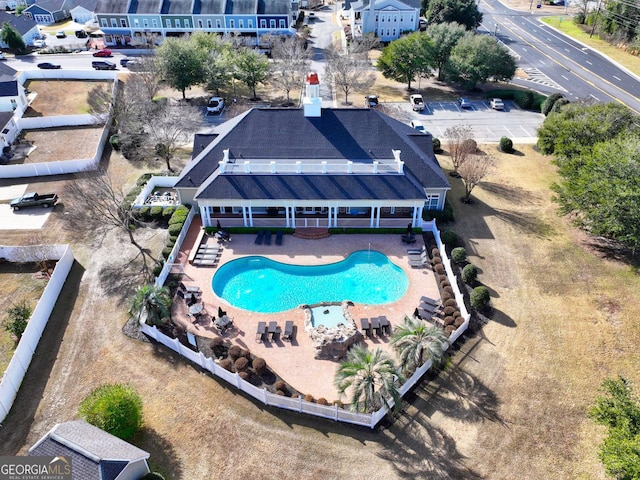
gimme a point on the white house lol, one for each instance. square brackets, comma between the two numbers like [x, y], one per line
[25, 26]
[13, 97]
[82, 11]
[388, 19]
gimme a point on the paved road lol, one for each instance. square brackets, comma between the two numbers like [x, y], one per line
[558, 63]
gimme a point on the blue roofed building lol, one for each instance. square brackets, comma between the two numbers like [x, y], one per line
[313, 167]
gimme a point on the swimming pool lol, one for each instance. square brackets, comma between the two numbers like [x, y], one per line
[263, 285]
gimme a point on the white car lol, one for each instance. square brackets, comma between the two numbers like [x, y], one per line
[215, 105]
[39, 43]
[497, 104]
[417, 103]
[417, 124]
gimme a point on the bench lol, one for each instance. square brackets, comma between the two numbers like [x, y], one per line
[196, 245]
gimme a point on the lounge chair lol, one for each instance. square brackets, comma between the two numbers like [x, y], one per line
[190, 288]
[385, 326]
[417, 256]
[279, 237]
[261, 331]
[260, 237]
[288, 330]
[417, 250]
[267, 237]
[205, 262]
[417, 263]
[366, 327]
[375, 326]
[272, 331]
[430, 301]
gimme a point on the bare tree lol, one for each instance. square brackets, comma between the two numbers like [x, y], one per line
[349, 72]
[148, 76]
[364, 44]
[35, 251]
[172, 128]
[473, 170]
[96, 204]
[290, 64]
[458, 145]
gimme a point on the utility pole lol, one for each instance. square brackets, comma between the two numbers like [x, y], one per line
[495, 30]
[595, 20]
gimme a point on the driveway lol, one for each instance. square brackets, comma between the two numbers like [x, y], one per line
[28, 219]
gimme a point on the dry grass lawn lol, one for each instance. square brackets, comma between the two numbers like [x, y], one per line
[511, 402]
[61, 97]
[65, 143]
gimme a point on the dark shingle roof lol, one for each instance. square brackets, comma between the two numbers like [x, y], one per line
[174, 7]
[22, 24]
[200, 142]
[273, 7]
[5, 117]
[239, 7]
[82, 467]
[6, 73]
[359, 135]
[50, 5]
[9, 89]
[209, 7]
[112, 6]
[146, 6]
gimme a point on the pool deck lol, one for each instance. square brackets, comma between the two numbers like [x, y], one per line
[294, 361]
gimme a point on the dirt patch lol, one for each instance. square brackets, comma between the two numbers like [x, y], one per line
[61, 97]
[57, 144]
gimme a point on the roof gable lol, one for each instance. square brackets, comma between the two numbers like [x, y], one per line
[22, 24]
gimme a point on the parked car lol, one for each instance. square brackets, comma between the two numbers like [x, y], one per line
[371, 101]
[2, 57]
[103, 65]
[418, 125]
[215, 105]
[49, 66]
[464, 102]
[34, 199]
[61, 34]
[417, 103]
[103, 53]
[497, 104]
[39, 43]
[312, 15]
[81, 34]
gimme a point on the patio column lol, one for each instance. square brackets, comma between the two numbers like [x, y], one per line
[286, 214]
[293, 216]
[335, 216]
[373, 213]
[329, 217]
[250, 216]
[204, 215]
[378, 216]
[244, 216]
[419, 211]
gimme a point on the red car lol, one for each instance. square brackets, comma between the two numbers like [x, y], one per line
[102, 53]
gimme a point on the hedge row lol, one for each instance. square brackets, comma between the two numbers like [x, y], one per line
[526, 100]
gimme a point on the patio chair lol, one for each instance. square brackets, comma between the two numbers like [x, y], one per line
[288, 330]
[267, 237]
[190, 288]
[279, 237]
[261, 331]
[366, 327]
[417, 250]
[260, 237]
[385, 326]
[272, 331]
[430, 301]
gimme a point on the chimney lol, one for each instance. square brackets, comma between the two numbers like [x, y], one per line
[312, 101]
[349, 166]
[247, 167]
[400, 163]
[375, 166]
[324, 166]
[298, 166]
[273, 166]
[223, 165]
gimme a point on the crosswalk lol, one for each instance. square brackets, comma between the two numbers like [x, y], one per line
[536, 76]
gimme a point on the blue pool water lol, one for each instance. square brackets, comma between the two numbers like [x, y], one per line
[329, 316]
[266, 286]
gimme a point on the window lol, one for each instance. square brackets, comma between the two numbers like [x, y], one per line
[103, 21]
[5, 131]
[394, 32]
[236, 209]
[382, 19]
[232, 24]
[283, 24]
[200, 24]
[272, 23]
[168, 22]
[401, 18]
[250, 23]
[177, 23]
[263, 23]
[218, 23]
[136, 23]
[240, 23]
[114, 22]
[432, 202]
[376, 18]
[395, 19]
[123, 23]
[145, 22]
[186, 23]
[14, 104]
[411, 18]
[154, 23]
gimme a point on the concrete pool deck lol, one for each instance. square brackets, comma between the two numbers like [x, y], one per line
[294, 361]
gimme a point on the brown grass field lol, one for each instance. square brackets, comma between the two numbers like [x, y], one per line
[60, 97]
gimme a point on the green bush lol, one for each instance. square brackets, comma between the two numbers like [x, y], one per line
[517, 96]
[480, 297]
[559, 104]
[144, 213]
[437, 146]
[167, 212]
[170, 243]
[459, 255]
[548, 104]
[18, 317]
[156, 212]
[470, 145]
[175, 228]
[449, 238]
[177, 218]
[153, 476]
[114, 141]
[143, 179]
[158, 268]
[444, 215]
[114, 408]
[166, 251]
[469, 274]
[506, 145]
[524, 99]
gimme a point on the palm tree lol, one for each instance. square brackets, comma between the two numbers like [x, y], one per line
[152, 299]
[370, 377]
[415, 342]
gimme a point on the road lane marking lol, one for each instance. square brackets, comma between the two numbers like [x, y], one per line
[617, 78]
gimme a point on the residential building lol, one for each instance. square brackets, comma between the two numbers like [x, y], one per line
[138, 21]
[388, 19]
[25, 26]
[94, 453]
[313, 167]
[46, 12]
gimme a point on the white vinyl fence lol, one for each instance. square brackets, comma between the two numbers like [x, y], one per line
[170, 262]
[13, 376]
[332, 412]
[153, 183]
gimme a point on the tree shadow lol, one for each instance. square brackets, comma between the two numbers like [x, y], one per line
[528, 223]
[164, 458]
[514, 194]
[502, 318]
[15, 427]
[120, 280]
[419, 450]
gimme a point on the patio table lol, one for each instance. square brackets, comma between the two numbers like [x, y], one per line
[196, 308]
